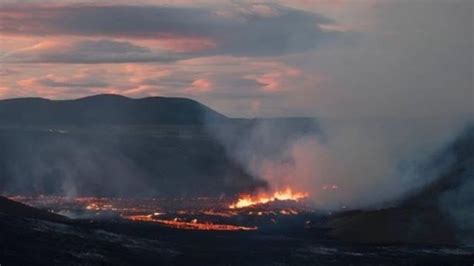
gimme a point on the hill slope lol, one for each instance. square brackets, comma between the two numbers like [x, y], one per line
[13, 208]
[440, 213]
[105, 109]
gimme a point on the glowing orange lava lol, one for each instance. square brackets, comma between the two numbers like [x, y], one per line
[191, 225]
[283, 195]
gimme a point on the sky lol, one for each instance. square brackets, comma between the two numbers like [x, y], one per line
[327, 58]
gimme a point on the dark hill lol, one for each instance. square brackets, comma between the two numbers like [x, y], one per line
[460, 154]
[440, 213]
[105, 109]
[13, 208]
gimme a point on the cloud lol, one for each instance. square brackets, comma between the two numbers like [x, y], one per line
[224, 82]
[416, 63]
[68, 85]
[224, 76]
[7, 71]
[108, 46]
[250, 30]
[200, 85]
[5, 91]
[53, 81]
[86, 52]
[275, 80]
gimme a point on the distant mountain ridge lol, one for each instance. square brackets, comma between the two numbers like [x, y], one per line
[105, 109]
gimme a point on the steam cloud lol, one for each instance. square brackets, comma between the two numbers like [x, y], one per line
[68, 165]
[392, 103]
[344, 163]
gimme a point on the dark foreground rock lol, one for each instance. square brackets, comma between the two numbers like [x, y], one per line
[394, 226]
[34, 241]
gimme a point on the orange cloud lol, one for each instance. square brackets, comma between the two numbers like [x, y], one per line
[140, 91]
[5, 92]
[179, 44]
[269, 81]
[200, 86]
[274, 79]
[145, 74]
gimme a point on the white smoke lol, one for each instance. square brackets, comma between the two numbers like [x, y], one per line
[350, 164]
[391, 100]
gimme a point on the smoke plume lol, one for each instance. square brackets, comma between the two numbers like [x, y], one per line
[389, 105]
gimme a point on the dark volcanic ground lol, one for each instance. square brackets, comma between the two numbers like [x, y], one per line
[39, 242]
[43, 239]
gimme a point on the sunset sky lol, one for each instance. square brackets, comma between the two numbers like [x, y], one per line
[246, 58]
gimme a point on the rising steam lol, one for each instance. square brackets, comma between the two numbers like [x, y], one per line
[344, 164]
[396, 100]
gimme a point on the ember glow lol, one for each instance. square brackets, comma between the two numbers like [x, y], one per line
[282, 195]
[202, 214]
[194, 224]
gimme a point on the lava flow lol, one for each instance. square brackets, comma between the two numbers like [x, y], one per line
[263, 198]
[191, 225]
[208, 214]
